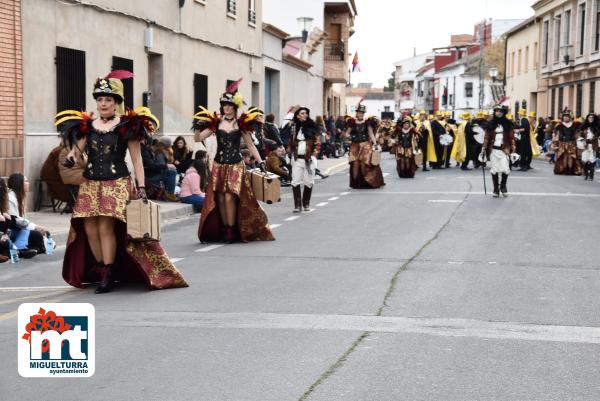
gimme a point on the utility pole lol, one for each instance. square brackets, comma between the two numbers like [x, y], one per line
[481, 46]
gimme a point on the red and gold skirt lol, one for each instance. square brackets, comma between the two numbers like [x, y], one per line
[103, 198]
[252, 222]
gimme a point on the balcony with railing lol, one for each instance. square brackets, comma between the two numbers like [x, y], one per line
[334, 51]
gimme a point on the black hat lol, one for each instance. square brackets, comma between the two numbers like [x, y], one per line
[231, 95]
[300, 109]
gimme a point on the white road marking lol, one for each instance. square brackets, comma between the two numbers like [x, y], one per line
[455, 262]
[334, 198]
[33, 289]
[275, 226]
[209, 248]
[292, 218]
[322, 204]
[344, 193]
[386, 174]
[175, 260]
[544, 194]
[384, 324]
[444, 201]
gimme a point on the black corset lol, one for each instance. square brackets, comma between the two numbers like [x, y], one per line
[106, 156]
[406, 140]
[567, 134]
[359, 133]
[228, 147]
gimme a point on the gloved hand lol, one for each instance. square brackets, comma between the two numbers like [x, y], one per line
[142, 194]
[482, 157]
[262, 166]
[69, 162]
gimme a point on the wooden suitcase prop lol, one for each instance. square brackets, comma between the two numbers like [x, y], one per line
[143, 220]
[375, 157]
[266, 186]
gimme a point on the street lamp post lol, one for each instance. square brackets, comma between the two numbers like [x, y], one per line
[305, 25]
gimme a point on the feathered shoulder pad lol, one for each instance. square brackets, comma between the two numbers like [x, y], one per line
[73, 125]
[559, 125]
[204, 119]
[349, 121]
[138, 124]
[372, 122]
[247, 121]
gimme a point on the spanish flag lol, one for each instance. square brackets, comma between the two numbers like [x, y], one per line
[355, 65]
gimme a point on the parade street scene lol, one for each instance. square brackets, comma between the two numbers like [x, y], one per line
[273, 200]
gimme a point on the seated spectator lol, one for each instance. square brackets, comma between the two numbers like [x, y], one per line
[28, 237]
[71, 177]
[182, 155]
[194, 184]
[158, 171]
[5, 221]
[50, 174]
[248, 159]
[276, 165]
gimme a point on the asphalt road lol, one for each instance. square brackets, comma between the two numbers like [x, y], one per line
[425, 289]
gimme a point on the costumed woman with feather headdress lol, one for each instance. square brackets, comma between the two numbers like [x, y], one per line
[231, 212]
[98, 249]
[406, 140]
[363, 173]
[565, 135]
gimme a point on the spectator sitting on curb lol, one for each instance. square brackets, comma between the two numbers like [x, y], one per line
[5, 221]
[157, 169]
[28, 237]
[50, 174]
[275, 164]
[182, 155]
[194, 183]
[248, 159]
[71, 177]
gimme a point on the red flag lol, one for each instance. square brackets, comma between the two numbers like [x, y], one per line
[355, 65]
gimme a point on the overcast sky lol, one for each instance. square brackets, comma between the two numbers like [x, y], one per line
[389, 30]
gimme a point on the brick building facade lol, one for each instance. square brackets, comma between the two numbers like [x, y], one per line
[11, 88]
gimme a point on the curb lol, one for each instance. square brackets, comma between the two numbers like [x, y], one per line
[185, 210]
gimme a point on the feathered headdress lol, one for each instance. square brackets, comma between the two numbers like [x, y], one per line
[361, 108]
[111, 85]
[232, 95]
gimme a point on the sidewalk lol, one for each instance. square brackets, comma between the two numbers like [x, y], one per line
[58, 224]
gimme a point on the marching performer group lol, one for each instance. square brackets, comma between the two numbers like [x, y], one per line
[99, 249]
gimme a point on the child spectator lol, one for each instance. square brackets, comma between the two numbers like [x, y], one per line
[194, 183]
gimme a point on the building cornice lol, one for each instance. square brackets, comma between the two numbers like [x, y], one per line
[288, 58]
[273, 30]
[541, 3]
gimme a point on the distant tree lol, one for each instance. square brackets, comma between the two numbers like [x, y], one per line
[494, 56]
[391, 83]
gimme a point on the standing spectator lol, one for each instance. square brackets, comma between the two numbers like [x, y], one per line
[322, 134]
[271, 131]
[182, 155]
[18, 186]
